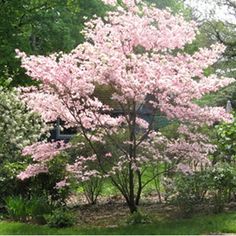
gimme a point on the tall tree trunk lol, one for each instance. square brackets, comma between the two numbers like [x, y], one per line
[138, 196]
[133, 207]
[132, 203]
[132, 154]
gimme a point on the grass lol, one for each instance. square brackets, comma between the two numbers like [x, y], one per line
[221, 223]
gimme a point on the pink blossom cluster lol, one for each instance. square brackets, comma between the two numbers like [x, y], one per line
[43, 152]
[62, 184]
[185, 169]
[32, 170]
[142, 123]
[191, 146]
[81, 170]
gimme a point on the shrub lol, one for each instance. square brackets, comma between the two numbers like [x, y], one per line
[37, 207]
[17, 208]
[60, 218]
[33, 209]
[214, 186]
[92, 189]
[189, 190]
[138, 218]
[222, 183]
[18, 128]
[226, 134]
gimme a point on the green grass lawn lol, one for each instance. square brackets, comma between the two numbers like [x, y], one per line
[222, 223]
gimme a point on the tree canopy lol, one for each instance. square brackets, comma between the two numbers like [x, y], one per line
[41, 27]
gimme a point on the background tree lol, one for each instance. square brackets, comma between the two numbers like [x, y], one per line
[40, 27]
[176, 6]
[220, 28]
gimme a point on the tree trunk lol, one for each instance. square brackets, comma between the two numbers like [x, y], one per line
[132, 204]
[139, 188]
[133, 207]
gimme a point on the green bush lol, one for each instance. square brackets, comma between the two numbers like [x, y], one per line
[37, 207]
[138, 218]
[215, 186]
[60, 218]
[226, 135]
[189, 191]
[33, 209]
[17, 208]
[92, 189]
[223, 184]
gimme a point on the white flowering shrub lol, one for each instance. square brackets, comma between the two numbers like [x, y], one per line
[18, 128]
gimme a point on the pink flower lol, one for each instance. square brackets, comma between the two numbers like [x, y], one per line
[109, 154]
[62, 184]
[185, 169]
[43, 152]
[32, 170]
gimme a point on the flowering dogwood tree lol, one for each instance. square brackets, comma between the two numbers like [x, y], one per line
[138, 52]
